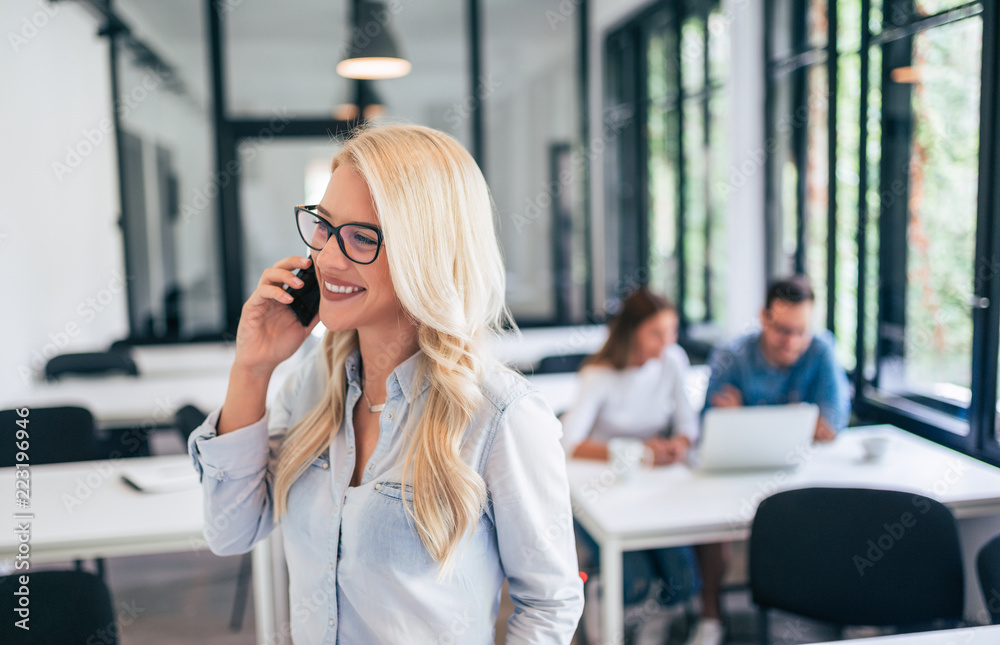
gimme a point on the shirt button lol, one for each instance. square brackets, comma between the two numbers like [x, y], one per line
[389, 416]
[332, 623]
[378, 485]
[326, 464]
[220, 476]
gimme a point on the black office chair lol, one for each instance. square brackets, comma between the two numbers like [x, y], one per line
[90, 364]
[121, 346]
[186, 419]
[116, 442]
[64, 607]
[988, 565]
[560, 364]
[55, 435]
[852, 556]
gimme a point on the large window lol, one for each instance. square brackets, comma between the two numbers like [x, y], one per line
[666, 101]
[884, 119]
[230, 113]
[535, 154]
[163, 114]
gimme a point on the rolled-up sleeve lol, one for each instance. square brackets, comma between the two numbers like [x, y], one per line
[526, 478]
[236, 484]
[237, 469]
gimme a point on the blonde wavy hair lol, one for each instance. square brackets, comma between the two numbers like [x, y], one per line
[437, 218]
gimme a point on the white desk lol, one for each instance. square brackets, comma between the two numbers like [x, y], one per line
[675, 506]
[127, 401]
[149, 399]
[524, 351]
[558, 390]
[966, 636]
[184, 358]
[84, 510]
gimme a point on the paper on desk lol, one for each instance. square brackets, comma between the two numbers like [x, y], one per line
[161, 479]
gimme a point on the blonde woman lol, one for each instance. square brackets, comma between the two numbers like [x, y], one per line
[410, 471]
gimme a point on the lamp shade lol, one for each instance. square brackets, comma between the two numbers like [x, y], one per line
[372, 52]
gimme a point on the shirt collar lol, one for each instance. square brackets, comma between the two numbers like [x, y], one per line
[401, 381]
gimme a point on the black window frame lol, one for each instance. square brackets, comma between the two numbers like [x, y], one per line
[935, 421]
[628, 203]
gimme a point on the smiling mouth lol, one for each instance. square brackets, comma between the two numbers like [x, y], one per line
[341, 289]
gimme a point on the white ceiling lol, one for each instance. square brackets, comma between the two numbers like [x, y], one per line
[179, 20]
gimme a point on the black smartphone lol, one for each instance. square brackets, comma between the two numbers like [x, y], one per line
[306, 299]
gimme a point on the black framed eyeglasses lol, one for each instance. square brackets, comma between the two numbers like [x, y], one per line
[359, 242]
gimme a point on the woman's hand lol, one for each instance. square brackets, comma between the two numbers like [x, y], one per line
[269, 331]
[668, 451]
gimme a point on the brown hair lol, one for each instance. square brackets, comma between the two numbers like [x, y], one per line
[792, 290]
[641, 305]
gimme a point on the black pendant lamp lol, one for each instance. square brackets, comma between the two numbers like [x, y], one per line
[371, 51]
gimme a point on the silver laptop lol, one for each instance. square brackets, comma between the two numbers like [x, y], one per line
[756, 437]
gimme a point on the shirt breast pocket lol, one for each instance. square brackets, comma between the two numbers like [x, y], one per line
[390, 535]
[394, 490]
[388, 531]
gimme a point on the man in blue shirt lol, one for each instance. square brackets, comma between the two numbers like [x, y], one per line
[783, 362]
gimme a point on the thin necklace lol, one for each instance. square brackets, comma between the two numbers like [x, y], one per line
[371, 408]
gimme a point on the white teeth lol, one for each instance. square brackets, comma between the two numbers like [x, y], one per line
[338, 289]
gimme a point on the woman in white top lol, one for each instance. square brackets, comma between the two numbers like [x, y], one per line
[634, 387]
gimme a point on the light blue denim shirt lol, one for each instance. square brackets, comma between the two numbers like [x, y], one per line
[358, 573]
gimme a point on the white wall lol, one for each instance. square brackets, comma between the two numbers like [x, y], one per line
[60, 247]
[745, 206]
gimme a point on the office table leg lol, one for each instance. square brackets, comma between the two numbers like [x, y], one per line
[263, 592]
[612, 609]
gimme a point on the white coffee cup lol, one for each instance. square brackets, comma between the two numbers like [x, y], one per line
[875, 447]
[626, 456]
